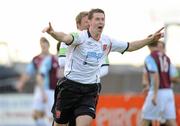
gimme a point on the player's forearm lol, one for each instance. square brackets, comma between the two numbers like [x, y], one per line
[24, 78]
[156, 85]
[135, 45]
[61, 37]
[145, 80]
[156, 89]
[141, 43]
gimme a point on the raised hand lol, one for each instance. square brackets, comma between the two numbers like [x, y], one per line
[48, 29]
[157, 35]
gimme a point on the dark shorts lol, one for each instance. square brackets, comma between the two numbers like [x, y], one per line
[73, 99]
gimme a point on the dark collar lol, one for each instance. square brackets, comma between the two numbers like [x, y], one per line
[89, 34]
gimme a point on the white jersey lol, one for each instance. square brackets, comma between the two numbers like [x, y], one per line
[62, 54]
[85, 56]
[62, 57]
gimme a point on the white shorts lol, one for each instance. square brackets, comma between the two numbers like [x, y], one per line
[165, 108]
[38, 103]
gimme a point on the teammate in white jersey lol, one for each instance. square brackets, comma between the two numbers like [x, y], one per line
[82, 24]
[78, 92]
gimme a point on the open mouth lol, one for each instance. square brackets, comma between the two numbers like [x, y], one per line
[100, 27]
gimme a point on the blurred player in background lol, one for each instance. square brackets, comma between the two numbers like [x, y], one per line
[32, 70]
[158, 75]
[82, 24]
[49, 74]
[145, 81]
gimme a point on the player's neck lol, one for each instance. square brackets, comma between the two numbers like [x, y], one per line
[95, 35]
[45, 53]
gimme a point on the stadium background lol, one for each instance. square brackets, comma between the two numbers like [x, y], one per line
[121, 98]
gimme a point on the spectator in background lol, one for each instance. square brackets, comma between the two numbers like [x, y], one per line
[32, 70]
[81, 24]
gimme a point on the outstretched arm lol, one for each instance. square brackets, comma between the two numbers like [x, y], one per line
[135, 45]
[59, 36]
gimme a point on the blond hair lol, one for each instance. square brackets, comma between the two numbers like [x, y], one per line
[80, 16]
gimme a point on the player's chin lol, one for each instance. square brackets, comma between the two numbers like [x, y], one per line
[100, 30]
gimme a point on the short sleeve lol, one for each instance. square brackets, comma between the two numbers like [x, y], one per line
[77, 38]
[30, 69]
[105, 61]
[151, 64]
[62, 50]
[61, 61]
[119, 46]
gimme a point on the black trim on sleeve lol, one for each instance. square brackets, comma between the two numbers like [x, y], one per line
[71, 41]
[61, 55]
[126, 48]
[104, 65]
